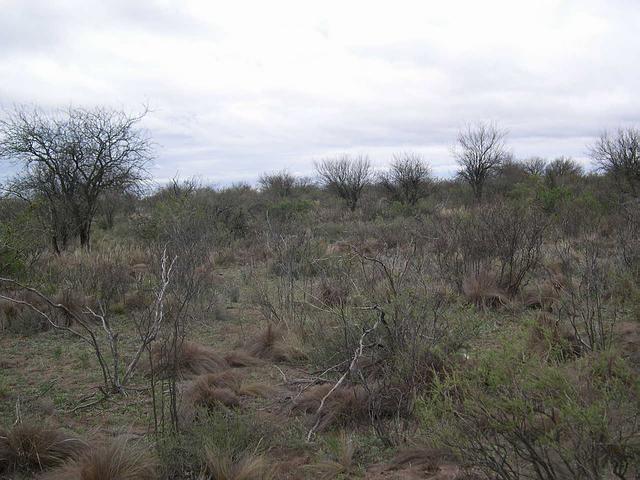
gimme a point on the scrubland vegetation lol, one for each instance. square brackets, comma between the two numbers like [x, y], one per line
[360, 324]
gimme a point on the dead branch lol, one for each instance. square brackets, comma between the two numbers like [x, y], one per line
[89, 337]
[111, 376]
[152, 333]
[356, 355]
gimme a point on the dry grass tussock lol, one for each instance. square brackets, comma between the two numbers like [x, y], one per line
[347, 404]
[546, 294]
[196, 359]
[272, 344]
[119, 459]
[215, 389]
[191, 359]
[549, 335]
[483, 291]
[341, 461]
[240, 358]
[222, 466]
[32, 447]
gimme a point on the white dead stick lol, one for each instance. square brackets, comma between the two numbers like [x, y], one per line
[356, 355]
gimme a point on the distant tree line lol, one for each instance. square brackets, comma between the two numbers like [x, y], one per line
[79, 163]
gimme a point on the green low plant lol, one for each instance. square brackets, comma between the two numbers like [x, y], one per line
[516, 416]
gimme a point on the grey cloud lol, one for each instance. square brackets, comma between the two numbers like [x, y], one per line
[407, 94]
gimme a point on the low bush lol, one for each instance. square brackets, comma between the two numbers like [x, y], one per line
[223, 444]
[517, 416]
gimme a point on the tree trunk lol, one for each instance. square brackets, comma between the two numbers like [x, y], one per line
[54, 244]
[64, 237]
[477, 191]
[109, 219]
[85, 235]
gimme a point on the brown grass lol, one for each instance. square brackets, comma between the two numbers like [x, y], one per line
[120, 459]
[341, 461]
[222, 466]
[32, 447]
[543, 296]
[271, 344]
[215, 389]
[346, 405]
[482, 291]
[548, 334]
[240, 358]
[191, 359]
[209, 391]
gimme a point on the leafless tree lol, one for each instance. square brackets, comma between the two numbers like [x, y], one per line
[562, 170]
[479, 152]
[619, 155]
[70, 159]
[408, 178]
[346, 176]
[113, 203]
[535, 166]
[585, 300]
[500, 235]
[508, 174]
[280, 184]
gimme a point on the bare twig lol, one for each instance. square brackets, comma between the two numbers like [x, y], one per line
[111, 375]
[152, 332]
[356, 355]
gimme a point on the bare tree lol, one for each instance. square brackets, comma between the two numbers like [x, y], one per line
[619, 155]
[346, 176]
[280, 184]
[534, 166]
[479, 153]
[562, 170]
[408, 178]
[113, 203]
[70, 159]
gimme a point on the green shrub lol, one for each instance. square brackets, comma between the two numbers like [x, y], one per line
[290, 210]
[230, 433]
[518, 417]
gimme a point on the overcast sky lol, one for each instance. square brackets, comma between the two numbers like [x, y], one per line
[237, 88]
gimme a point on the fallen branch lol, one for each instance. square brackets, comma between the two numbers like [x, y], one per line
[87, 405]
[284, 377]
